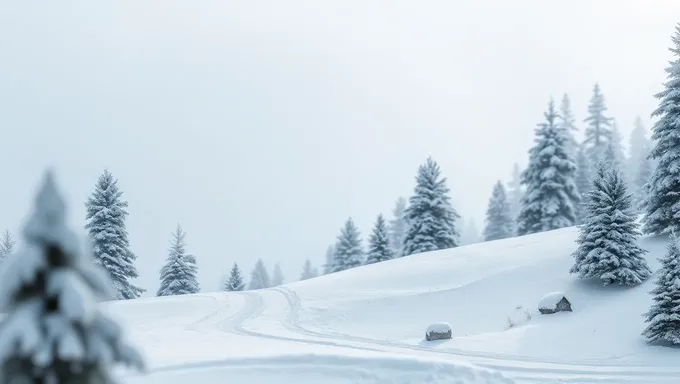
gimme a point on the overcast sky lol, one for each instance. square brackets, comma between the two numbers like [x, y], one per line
[260, 126]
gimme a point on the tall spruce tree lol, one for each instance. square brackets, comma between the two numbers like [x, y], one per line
[379, 248]
[308, 272]
[515, 192]
[398, 227]
[551, 194]
[349, 252]
[53, 330]
[664, 315]
[330, 257]
[430, 215]
[607, 244]
[235, 281]
[277, 276]
[644, 174]
[615, 152]
[662, 203]
[568, 123]
[106, 213]
[599, 127]
[179, 275]
[583, 183]
[639, 147]
[259, 278]
[499, 221]
[6, 245]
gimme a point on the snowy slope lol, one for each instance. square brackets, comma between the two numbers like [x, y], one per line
[476, 288]
[368, 323]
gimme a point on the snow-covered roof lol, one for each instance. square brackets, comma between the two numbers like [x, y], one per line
[439, 328]
[550, 300]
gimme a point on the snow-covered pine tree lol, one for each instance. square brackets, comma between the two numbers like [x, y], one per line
[53, 331]
[235, 281]
[515, 192]
[582, 181]
[609, 156]
[330, 257]
[551, 194]
[348, 250]
[614, 152]
[430, 216]
[644, 174]
[259, 279]
[639, 147]
[277, 276]
[599, 129]
[398, 227]
[607, 243]
[664, 314]
[308, 272]
[106, 213]
[379, 248]
[179, 275]
[499, 221]
[6, 245]
[568, 123]
[662, 203]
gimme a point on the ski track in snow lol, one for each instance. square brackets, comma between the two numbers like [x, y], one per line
[522, 369]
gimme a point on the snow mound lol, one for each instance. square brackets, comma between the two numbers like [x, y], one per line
[550, 300]
[327, 369]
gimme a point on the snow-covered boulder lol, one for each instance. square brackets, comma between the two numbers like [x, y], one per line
[438, 331]
[554, 302]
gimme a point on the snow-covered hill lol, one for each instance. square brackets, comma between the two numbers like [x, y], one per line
[368, 323]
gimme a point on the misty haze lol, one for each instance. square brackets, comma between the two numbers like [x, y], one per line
[469, 191]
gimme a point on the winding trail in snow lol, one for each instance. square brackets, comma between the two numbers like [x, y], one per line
[522, 369]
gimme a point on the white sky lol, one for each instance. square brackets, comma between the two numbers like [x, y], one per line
[260, 126]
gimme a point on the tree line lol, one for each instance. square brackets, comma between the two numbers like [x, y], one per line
[591, 183]
[106, 212]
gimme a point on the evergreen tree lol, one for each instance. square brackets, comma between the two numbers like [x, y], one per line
[259, 279]
[398, 227]
[6, 245]
[644, 174]
[568, 123]
[179, 274]
[515, 192]
[599, 129]
[639, 147]
[664, 315]
[582, 182]
[431, 218]
[330, 257]
[308, 272]
[379, 248]
[614, 153]
[662, 204]
[551, 195]
[607, 242]
[106, 213]
[348, 250]
[499, 221]
[235, 281]
[277, 276]
[54, 330]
